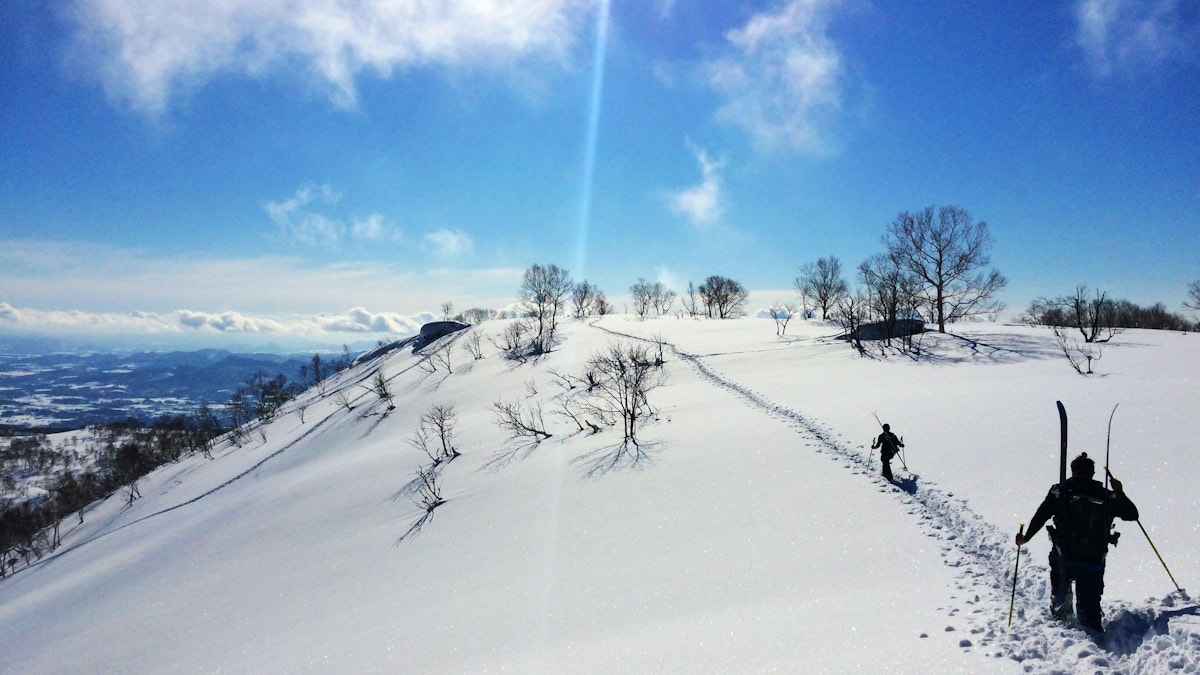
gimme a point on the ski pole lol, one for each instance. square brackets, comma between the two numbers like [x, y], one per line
[1013, 598]
[1160, 558]
[1151, 541]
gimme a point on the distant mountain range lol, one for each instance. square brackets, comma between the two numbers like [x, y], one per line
[70, 390]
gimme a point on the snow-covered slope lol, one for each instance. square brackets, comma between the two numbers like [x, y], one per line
[750, 534]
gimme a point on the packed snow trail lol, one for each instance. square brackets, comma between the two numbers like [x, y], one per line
[1163, 634]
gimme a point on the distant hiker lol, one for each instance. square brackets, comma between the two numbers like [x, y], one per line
[1080, 543]
[889, 447]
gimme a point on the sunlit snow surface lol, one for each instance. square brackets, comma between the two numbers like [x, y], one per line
[751, 532]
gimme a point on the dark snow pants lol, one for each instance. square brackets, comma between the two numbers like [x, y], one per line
[1089, 586]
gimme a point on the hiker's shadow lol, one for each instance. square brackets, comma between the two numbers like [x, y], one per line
[907, 483]
[1131, 628]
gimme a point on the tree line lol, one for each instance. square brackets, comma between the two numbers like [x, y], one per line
[936, 268]
[1098, 317]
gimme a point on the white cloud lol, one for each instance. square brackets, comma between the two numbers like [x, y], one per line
[450, 242]
[701, 204]
[372, 228]
[299, 218]
[783, 80]
[144, 52]
[360, 320]
[320, 327]
[1134, 36]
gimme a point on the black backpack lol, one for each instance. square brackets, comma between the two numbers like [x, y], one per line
[888, 445]
[1085, 534]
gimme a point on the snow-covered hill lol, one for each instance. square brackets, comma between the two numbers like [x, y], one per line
[751, 533]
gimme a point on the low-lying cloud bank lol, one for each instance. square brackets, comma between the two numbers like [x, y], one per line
[354, 325]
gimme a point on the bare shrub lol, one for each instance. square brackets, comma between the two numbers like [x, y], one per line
[429, 492]
[436, 433]
[383, 389]
[521, 422]
[1078, 354]
[473, 343]
[624, 373]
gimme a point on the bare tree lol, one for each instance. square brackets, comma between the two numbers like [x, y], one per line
[852, 311]
[1095, 318]
[239, 414]
[691, 302]
[723, 298]
[948, 255]
[583, 298]
[313, 374]
[783, 312]
[1193, 301]
[473, 343]
[891, 295]
[447, 310]
[624, 374]
[543, 292]
[602, 306]
[823, 282]
[639, 293]
[477, 315]
[662, 298]
[442, 353]
[512, 340]
[575, 409]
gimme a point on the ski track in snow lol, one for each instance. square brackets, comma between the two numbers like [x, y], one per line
[1139, 639]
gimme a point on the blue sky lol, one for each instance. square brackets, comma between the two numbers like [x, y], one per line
[316, 170]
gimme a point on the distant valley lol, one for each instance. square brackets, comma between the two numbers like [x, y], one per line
[71, 390]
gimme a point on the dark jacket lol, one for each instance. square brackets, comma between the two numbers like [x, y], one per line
[1068, 544]
[889, 445]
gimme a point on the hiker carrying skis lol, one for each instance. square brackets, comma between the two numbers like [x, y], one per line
[889, 447]
[1081, 542]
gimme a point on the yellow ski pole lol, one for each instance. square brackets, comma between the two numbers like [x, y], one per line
[1013, 598]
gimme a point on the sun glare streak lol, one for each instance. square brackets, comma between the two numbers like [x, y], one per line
[593, 124]
[554, 528]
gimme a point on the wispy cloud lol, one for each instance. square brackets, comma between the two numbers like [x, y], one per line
[782, 79]
[701, 204]
[453, 243]
[297, 218]
[1135, 36]
[145, 52]
[301, 218]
